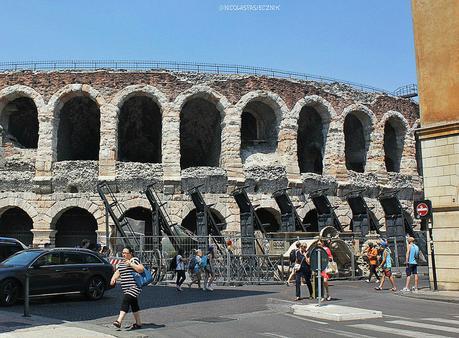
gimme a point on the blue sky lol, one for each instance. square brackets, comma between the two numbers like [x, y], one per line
[369, 42]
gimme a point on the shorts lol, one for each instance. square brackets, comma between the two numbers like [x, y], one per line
[387, 272]
[411, 269]
[325, 275]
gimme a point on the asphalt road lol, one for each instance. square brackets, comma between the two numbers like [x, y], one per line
[255, 311]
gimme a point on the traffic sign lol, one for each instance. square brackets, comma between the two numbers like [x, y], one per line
[314, 259]
[423, 209]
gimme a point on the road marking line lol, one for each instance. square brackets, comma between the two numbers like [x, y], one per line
[442, 320]
[306, 319]
[398, 317]
[344, 333]
[269, 334]
[425, 326]
[399, 332]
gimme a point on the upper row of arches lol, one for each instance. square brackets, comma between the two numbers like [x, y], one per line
[76, 112]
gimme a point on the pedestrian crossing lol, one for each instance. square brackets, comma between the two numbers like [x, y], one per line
[434, 327]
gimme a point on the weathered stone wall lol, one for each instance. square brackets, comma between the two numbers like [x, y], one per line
[37, 183]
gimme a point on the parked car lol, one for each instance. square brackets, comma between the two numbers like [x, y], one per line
[9, 246]
[53, 272]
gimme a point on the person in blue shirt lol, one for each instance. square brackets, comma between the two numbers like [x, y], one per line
[386, 265]
[412, 256]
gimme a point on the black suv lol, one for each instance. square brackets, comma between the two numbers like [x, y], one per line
[9, 246]
[54, 271]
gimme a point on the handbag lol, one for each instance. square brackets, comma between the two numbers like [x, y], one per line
[297, 266]
[332, 268]
[143, 279]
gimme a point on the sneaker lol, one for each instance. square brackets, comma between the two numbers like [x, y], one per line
[413, 289]
[377, 281]
[405, 290]
[378, 288]
[204, 288]
[209, 288]
[368, 281]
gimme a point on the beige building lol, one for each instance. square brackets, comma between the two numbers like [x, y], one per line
[436, 32]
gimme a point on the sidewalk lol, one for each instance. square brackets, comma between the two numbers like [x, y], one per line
[441, 296]
[13, 324]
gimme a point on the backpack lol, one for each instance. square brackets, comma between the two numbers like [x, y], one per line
[292, 256]
[173, 263]
[416, 252]
[203, 262]
[192, 263]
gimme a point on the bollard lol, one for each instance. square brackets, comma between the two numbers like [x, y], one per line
[282, 266]
[397, 263]
[228, 268]
[319, 276]
[26, 296]
[353, 265]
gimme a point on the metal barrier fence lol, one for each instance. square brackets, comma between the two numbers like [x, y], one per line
[232, 267]
[190, 67]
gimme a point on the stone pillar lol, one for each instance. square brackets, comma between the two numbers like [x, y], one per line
[108, 150]
[44, 236]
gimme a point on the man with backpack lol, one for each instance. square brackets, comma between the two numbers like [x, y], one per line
[412, 257]
[194, 269]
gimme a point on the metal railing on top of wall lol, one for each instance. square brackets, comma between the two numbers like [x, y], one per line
[186, 67]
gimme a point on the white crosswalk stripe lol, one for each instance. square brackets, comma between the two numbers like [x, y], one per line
[442, 320]
[425, 326]
[395, 331]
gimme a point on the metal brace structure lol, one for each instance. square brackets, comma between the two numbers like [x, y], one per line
[117, 213]
[326, 215]
[363, 220]
[290, 220]
[249, 222]
[205, 221]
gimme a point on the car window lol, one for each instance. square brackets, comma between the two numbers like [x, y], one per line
[73, 258]
[52, 258]
[22, 258]
[90, 259]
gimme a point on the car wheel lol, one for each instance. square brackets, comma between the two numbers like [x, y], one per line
[9, 291]
[96, 288]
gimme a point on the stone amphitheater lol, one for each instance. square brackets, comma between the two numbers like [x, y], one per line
[62, 132]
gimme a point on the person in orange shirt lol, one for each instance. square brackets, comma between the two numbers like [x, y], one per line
[372, 254]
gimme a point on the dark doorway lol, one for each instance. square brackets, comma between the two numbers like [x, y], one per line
[78, 135]
[16, 223]
[144, 215]
[139, 131]
[20, 120]
[310, 221]
[200, 134]
[269, 219]
[189, 222]
[393, 145]
[73, 226]
[355, 145]
[310, 141]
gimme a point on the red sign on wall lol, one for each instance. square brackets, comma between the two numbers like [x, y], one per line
[423, 209]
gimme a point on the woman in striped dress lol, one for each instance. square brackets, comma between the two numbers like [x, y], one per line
[130, 289]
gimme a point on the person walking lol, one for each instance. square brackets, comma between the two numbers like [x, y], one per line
[303, 271]
[372, 254]
[325, 245]
[386, 265]
[412, 256]
[292, 258]
[130, 289]
[209, 274]
[180, 269]
[194, 269]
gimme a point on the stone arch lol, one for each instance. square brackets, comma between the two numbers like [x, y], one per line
[358, 127]
[270, 216]
[146, 90]
[201, 127]
[312, 116]
[395, 129]
[54, 212]
[23, 124]
[260, 114]
[74, 225]
[7, 203]
[66, 95]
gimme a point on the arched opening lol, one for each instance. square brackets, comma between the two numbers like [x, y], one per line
[139, 131]
[189, 222]
[200, 134]
[393, 144]
[73, 226]
[141, 220]
[78, 135]
[357, 139]
[270, 219]
[259, 129]
[310, 141]
[311, 222]
[19, 120]
[16, 223]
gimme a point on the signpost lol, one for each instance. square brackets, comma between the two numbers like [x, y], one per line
[319, 262]
[423, 210]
